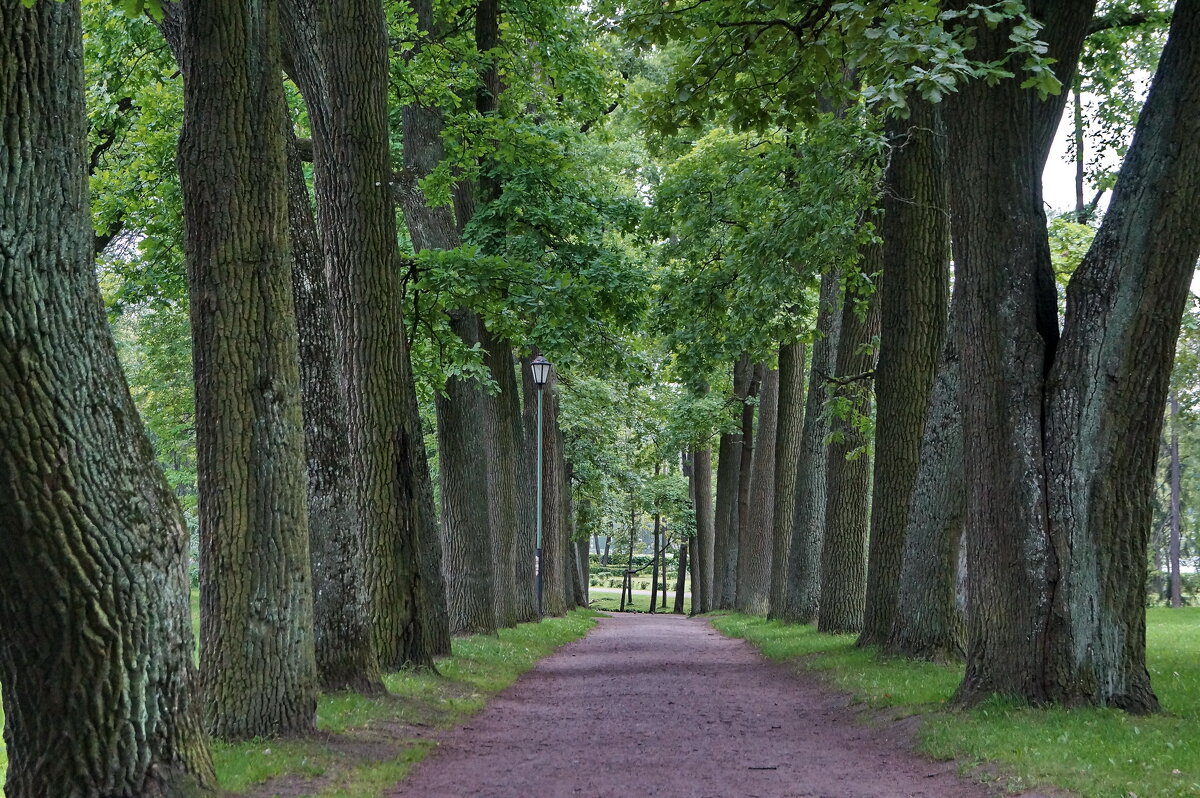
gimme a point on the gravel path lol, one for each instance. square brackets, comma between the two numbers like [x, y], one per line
[653, 705]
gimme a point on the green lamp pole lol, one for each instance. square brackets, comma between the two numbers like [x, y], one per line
[541, 372]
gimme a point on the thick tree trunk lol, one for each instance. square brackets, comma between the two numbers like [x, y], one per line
[912, 301]
[93, 574]
[702, 559]
[801, 599]
[512, 513]
[467, 556]
[1000, 135]
[1105, 394]
[928, 622]
[729, 463]
[741, 518]
[256, 630]
[345, 650]
[353, 170]
[755, 537]
[843, 556]
[788, 436]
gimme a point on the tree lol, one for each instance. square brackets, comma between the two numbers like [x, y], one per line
[94, 590]
[788, 440]
[756, 535]
[1058, 522]
[257, 657]
[912, 301]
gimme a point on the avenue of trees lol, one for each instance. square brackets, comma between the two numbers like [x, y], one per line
[272, 275]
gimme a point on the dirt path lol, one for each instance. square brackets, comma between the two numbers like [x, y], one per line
[665, 706]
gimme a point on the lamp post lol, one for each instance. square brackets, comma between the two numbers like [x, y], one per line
[540, 367]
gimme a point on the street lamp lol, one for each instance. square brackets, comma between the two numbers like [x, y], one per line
[540, 368]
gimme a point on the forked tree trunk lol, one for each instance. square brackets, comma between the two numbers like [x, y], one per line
[843, 556]
[788, 437]
[928, 623]
[345, 649]
[93, 556]
[808, 526]
[912, 300]
[756, 543]
[256, 624]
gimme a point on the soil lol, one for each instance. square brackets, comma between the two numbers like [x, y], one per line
[660, 705]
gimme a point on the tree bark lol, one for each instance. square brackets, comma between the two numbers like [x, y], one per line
[681, 578]
[788, 437]
[702, 560]
[345, 650]
[808, 525]
[93, 574]
[512, 518]
[913, 298]
[755, 537]
[1105, 394]
[843, 556]
[741, 518]
[353, 171]
[1000, 135]
[928, 622]
[729, 462]
[257, 658]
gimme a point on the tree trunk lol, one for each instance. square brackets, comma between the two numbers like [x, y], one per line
[512, 518]
[741, 516]
[843, 557]
[257, 657]
[94, 609]
[345, 650]
[1007, 339]
[467, 556]
[788, 437]
[755, 537]
[729, 463]
[556, 586]
[702, 501]
[913, 297]
[654, 557]
[681, 577]
[1176, 597]
[808, 525]
[1107, 389]
[928, 623]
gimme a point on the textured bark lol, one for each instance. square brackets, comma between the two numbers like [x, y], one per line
[468, 559]
[843, 556]
[1000, 136]
[256, 630]
[702, 558]
[345, 650]
[1106, 392]
[352, 169]
[788, 438]
[94, 610]
[912, 301]
[808, 526]
[511, 511]
[745, 475]
[756, 536]
[928, 622]
[681, 577]
[729, 462]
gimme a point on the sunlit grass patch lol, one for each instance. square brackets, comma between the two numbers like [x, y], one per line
[1093, 752]
[610, 601]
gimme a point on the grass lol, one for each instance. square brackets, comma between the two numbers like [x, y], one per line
[610, 601]
[1093, 752]
[366, 744]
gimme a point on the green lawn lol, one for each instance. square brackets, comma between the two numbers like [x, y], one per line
[610, 601]
[1093, 752]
